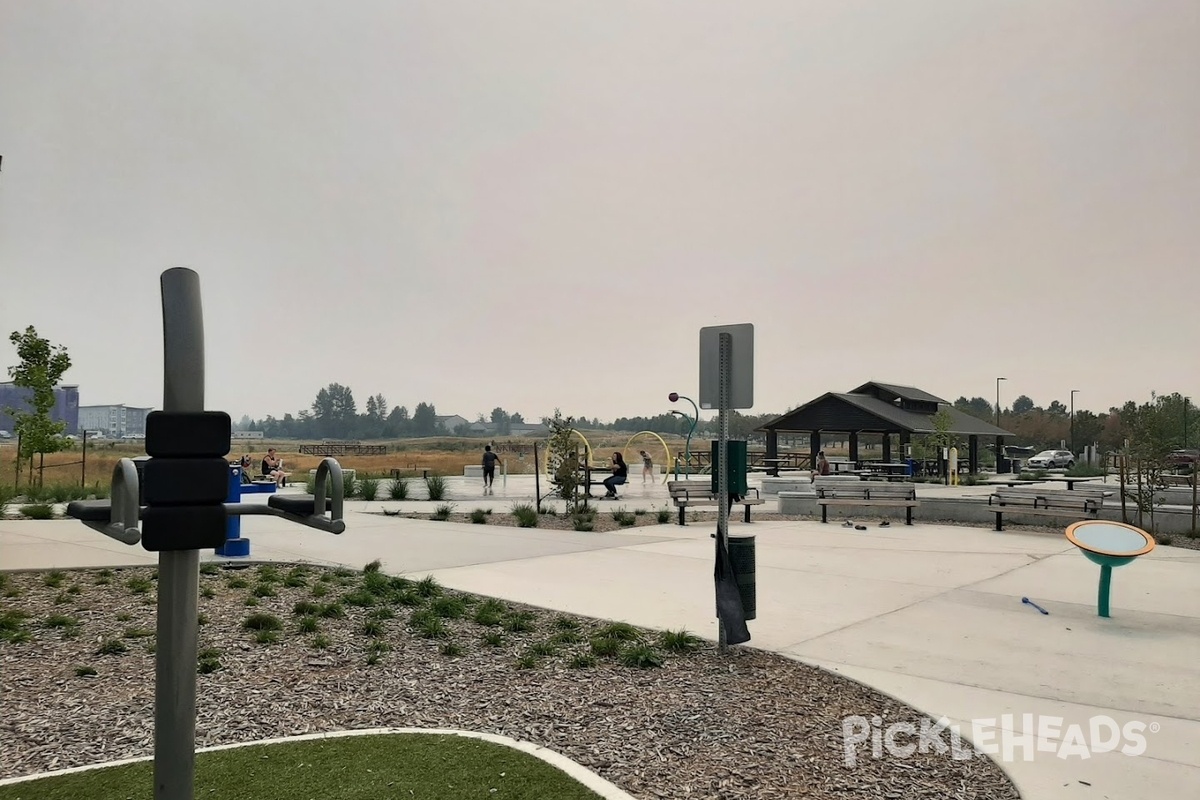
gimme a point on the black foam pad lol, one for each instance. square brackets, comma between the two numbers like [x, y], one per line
[186, 481]
[90, 510]
[188, 434]
[183, 527]
[304, 505]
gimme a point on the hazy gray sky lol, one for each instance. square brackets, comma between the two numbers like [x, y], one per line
[538, 204]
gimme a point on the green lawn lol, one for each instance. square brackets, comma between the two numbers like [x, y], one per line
[437, 767]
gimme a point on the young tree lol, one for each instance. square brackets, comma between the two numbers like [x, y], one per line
[424, 420]
[41, 368]
[1022, 405]
[562, 461]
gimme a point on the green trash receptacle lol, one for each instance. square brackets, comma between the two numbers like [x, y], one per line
[741, 556]
[738, 460]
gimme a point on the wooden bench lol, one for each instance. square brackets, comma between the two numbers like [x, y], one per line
[1175, 480]
[685, 494]
[1077, 503]
[398, 473]
[845, 493]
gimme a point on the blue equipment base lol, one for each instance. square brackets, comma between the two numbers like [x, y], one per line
[258, 488]
[234, 548]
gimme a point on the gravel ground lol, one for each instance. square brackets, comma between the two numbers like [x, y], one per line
[745, 725]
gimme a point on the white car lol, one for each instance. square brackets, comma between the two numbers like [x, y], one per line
[1049, 459]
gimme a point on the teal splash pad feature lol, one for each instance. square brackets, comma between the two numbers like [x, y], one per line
[1108, 544]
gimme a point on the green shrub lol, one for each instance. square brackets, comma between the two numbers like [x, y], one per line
[525, 514]
[493, 638]
[373, 566]
[209, 568]
[479, 517]
[383, 612]
[139, 585]
[429, 626]
[372, 628]
[349, 487]
[452, 650]
[620, 631]
[296, 577]
[519, 622]
[305, 608]
[679, 641]
[549, 511]
[320, 642]
[54, 578]
[206, 666]
[308, 625]
[641, 656]
[378, 647]
[564, 623]
[377, 584]
[605, 647]
[266, 637]
[581, 661]
[268, 573]
[262, 622]
[37, 511]
[448, 607]
[60, 621]
[442, 512]
[250, 602]
[436, 486]
[111, 647]
[263, 590]
[202, 619]
[428, 587]
[488, 617]
[320, 590]
[236, 582]
[137, 633]
[582, 524]
[360, 598]
[408, 597]
[544, 649]
[639, 512]
[527, 661]
[663, 515]
[566, 637]
[399, 489]
[85, 672]
[368, 488]
[1085, 471]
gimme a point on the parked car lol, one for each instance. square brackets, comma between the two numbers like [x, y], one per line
[1049, 459]
[1182, 458]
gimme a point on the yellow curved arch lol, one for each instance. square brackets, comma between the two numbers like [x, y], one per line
[587, 450]
[666, 465]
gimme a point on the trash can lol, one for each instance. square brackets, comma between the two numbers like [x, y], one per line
[738, 460]
[912, 466]
[1016, 466]
[741, 556]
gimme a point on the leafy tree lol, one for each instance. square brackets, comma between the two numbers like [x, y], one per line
[424, 420]
[1022, 405]
[977, 407]
[334, 411]
[41, 367]
[562, 458]
[516, 419]
[502, 420]
[1057, 409]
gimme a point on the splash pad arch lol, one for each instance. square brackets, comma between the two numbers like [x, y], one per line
[666, 465]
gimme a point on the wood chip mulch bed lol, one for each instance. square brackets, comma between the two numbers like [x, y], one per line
[743, 725]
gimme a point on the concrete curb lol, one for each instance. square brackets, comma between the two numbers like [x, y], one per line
[577, 772]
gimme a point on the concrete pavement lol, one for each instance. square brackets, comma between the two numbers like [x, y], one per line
[930, 614]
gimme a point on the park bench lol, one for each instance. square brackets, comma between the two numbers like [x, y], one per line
[690, 494]
[398, 473]
[861, 493]
[1076, 504]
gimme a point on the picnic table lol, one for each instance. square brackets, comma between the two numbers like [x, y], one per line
[1011, 482]
[1069, 481]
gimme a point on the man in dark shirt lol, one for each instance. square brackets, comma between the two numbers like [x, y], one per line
[489, 469]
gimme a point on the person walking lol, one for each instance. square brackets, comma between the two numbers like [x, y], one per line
[489, 469]
[647, 466]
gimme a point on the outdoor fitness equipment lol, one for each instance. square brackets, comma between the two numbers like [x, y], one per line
[1109, 544]
[178, 508]
[625, 450]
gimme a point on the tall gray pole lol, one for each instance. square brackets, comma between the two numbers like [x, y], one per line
[178, 571]
[724, 400]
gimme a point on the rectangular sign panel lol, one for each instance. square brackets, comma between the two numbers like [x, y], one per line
[741, 365]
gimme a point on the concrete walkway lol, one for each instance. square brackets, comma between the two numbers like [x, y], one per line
[930, 614]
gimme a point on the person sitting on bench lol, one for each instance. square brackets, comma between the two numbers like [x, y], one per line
[272, 467]
[822, 467]
[620, 473]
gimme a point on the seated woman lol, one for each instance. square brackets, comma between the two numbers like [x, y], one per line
[620, 473]
[272, 467]
[822, 467]
[245, 462]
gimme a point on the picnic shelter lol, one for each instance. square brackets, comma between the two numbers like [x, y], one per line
[882, 409]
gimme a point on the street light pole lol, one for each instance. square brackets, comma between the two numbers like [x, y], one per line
[1073, 393]
[998, 400]
[675, 397]
[1185, 422]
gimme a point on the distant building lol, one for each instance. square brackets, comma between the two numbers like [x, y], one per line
[451, 422]
[114, 422]
[66, 405]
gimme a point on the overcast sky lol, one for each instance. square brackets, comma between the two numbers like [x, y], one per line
[539, 204]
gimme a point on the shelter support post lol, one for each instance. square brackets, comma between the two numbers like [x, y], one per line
[973, 454]
[887, 448]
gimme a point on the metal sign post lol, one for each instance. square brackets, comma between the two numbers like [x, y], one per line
[726, 380]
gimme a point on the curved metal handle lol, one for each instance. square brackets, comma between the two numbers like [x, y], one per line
[124, 510]
[330, 470]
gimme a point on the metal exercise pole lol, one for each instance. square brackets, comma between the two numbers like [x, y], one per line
[724, 400]
[179, 571]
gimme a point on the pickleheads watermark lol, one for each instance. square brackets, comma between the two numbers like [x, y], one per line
[995, 737]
